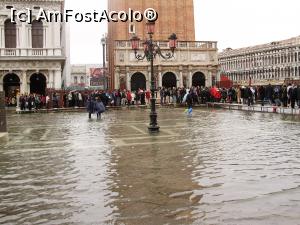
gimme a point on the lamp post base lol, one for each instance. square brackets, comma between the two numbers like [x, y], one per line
[153, 129]
[153, 126]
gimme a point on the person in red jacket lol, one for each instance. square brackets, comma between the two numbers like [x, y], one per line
[148, 96]
[129, 98]
[215, 93]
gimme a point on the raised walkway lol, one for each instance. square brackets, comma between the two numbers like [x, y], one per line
[255, 108]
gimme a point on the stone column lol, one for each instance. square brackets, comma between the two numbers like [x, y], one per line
[57, 35]
[128, 86]
[209, 79]
[57, 44]
[117, 80]
[180, 79]
[3, 124]
[50, 83]
[23, 88]
[45, 36]
[190, 82]
[23, 39]
[27, 84]
[294, 71]
[2, 37]
[57, 79]
[48, 37]
[18, 35]
[28, 36]
[159, 79]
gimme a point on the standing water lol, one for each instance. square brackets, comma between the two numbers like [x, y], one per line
[215, 167]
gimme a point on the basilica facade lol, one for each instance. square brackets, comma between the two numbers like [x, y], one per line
[32, 55]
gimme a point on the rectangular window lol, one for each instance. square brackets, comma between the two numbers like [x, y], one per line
[131, 29]
[10, 34]
[37, 34]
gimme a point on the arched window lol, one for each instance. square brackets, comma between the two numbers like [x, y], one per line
[75, 80]
[82, 80]
[37, 34]
[10, 34]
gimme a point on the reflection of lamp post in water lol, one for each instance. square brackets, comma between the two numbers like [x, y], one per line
[151, 50]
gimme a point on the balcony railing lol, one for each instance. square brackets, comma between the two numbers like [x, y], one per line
[205, 45]
[31, 52]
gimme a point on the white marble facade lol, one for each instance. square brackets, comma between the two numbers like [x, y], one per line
[49, 60]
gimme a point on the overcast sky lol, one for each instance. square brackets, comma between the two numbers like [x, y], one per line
[233, 23]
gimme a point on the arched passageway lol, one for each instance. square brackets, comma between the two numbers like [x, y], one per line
[38, 84]
[138, 81]
[169, 80]
[11, 85]
[198, 79]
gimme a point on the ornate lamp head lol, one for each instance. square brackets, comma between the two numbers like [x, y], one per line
[150, 27]
[135, 42]
[173, 41]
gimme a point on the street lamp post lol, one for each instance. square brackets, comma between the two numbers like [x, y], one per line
[151, 50]
[103, 42]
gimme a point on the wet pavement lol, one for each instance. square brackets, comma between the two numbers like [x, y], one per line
[216, 167]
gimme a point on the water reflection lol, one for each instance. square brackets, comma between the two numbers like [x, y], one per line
[154, 185]
[216, 167]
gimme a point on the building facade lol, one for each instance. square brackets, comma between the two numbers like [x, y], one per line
[32, 56]
[273, 63]
[194, 62]
[87, 76]
[79, 76]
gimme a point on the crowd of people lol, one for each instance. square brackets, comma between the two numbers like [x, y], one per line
[10, 101]
[37, 101]
[285, 96]
[33, 101]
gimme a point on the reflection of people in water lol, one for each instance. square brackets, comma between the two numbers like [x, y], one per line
[90, 106]
[95, 106]
[99, 108]
[189, 101]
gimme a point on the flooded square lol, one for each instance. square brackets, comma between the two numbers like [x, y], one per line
[215, 167]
